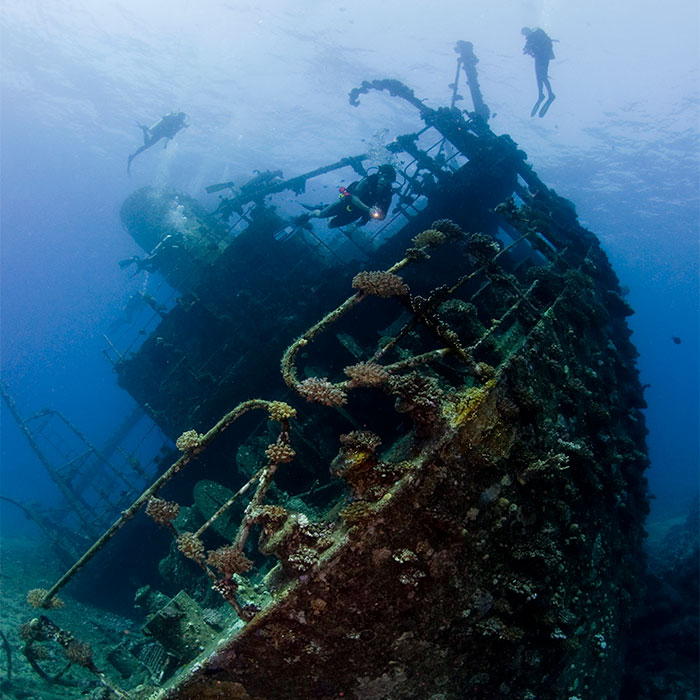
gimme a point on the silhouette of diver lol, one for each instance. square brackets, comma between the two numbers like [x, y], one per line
[369, 198]
[165, 128]
[539, 46]
[151, 262]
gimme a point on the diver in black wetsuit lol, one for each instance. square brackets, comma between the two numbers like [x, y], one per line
[369, 198]
[151, 262]
[165, 128]
[539, 46]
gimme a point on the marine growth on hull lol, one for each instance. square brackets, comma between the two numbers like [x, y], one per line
[410, 458]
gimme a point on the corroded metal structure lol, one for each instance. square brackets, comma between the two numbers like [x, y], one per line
[95, 484]
[456, 442]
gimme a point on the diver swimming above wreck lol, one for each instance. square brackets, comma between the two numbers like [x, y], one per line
[442, 493]
[165, 128]
[363, 200]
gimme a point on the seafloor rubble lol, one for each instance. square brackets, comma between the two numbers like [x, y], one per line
[446, 477]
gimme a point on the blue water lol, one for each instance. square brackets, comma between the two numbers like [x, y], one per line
[265, 85]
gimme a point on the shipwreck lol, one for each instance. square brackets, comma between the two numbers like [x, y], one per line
[410, 459]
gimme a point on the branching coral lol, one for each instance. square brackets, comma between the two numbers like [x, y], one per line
[384, 283]
[270, 515]
[430, 238]
[191, 546]
[295, 541]
[229, 560]
[161, 511]
[482, 248]
[442, 231]
[379, 283]
[280, 452]
[449, 228]
[320, 390]
[201, 442]
[366, 374]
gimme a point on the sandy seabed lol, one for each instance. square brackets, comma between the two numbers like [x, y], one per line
[26, 563]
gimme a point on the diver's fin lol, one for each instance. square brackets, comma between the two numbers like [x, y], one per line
[123, 264]
[537, 105]
[291, 229]
[547, 105]
[284, 234]
[218, 187]
[311, 207]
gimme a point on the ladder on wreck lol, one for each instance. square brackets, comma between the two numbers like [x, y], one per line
[95, 485]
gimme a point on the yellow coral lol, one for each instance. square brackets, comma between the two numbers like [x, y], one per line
[356, 511]
[357, 457]
[279, 411]
[465, 405]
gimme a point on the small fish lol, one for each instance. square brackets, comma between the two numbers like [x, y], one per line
[676, 339]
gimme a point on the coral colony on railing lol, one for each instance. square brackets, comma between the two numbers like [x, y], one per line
[420, 397]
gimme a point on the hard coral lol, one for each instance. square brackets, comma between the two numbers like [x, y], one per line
[365, 473]
[191, 546]
[449, 228]
[463, 406]
[381, 284]
[269, 514]
[356, 511]
[296, 542]
[420, 397]
[280, 452]
[482, 248]
[361, 440]
[79, 653]
[302, 559]
[355, 458]
[321, 391]
[161, 511]
[36, 597]
[430, 238]
[188, 441]
[229, 560]
[279, 411]
[366, 374]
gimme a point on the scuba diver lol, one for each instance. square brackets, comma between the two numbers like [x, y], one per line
[539, 46]
[151, 262]
[165, 128]
[134, 305]
[365, 199]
